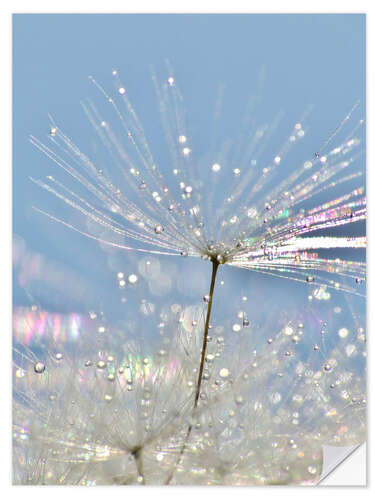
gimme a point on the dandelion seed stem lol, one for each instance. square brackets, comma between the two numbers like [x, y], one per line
[137, 455]
[215, 265]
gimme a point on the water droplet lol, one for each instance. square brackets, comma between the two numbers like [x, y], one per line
[111, 377]
[53, 131]
[132, 279]
[59, 356]
[108, 398]
[220, 258]
[343, 333]
[216, 167]
[275, 398]
[39, 367]
[350, 349]
[142, 185]
[158, 229]
[252, 212]
[277, 160]
[206, 298]
[236, 327]
[236, 171]
[288, 330]
[327, 367]
[311, 469]
[239, 400]
[20, 373]
[101, 364]
[309, 279]
[224, 373]
[121, 91]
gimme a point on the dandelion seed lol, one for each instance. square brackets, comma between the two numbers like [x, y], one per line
[264, 218]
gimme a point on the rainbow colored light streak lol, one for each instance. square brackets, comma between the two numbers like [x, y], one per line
[32, 326]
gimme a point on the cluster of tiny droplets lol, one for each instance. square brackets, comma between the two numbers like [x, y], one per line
[262, 224]
[109, 411]
[105, 409]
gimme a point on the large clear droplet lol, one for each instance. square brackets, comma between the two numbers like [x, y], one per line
[39, 367]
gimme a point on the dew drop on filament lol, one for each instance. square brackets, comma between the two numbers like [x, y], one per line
[39, 367]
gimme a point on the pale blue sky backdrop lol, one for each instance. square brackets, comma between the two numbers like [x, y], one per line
[308, 59]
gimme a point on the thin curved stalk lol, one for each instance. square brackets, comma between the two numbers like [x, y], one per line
[215, 265]
[137, 455]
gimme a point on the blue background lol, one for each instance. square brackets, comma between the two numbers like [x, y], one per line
[318, 59]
